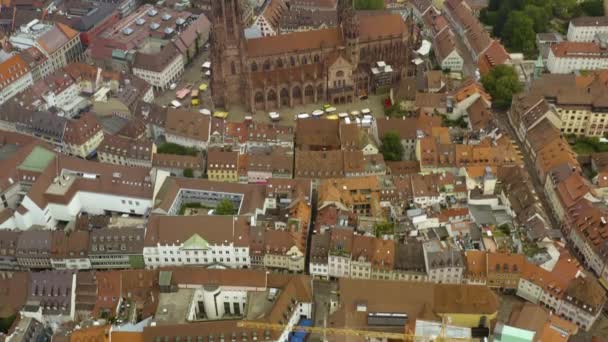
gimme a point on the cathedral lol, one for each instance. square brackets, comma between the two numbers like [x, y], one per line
[332, 65]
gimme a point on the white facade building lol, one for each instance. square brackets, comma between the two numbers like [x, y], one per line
[15, 77]
[161, 79]
[567, 57]
[215, 241]
[584, 29]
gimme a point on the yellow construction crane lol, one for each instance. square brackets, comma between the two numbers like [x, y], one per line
[351, 332]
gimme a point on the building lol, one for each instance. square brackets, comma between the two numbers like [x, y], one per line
[8, 250]
[317, 135]
[443, 265]
[573, 104]
[219, 241]
[504, 270]
[82, 136]
[306, 67]
[181, 166]
[70, 250]
[222, 166]
[15, 77]
[159, 66]
[567, 57]
[583, 303]
[187, 128]
[585, 29]
[66, 186]
[34, 249]
[58, 42]
[263, 165]
[116, 248]
[365, 304]
[51, 297]
[118, 150]
[156, 42]
[269, 19]
[446, 52]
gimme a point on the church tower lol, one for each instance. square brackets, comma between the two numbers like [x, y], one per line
[349, 23]
[228, 53]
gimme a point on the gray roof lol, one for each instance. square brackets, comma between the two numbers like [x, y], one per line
[409, 256]
[127, 240]
[319, 248]
[48, 125]
[51, 290]
[34, 241]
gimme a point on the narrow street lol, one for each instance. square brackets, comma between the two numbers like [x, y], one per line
[503, 123]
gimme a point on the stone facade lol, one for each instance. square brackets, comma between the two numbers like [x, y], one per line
[317, 66]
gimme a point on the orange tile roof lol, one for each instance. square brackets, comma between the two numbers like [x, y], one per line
[476, 264]
[127, 336]
[92, 334]
[11, 70]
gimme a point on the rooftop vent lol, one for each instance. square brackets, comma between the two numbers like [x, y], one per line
[152, 12]
[168, 30]
[127, 31]
[140, 21]
[166, 16]
[180, 21]
[154, 26]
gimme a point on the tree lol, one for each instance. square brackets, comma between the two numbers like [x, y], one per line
[225, 207]
[384, 228]
[188, 173]
[502, 83]
[518, 33]
[369, 4]
[171, 148]
[593, 8]
[391, 147]
[540, 17]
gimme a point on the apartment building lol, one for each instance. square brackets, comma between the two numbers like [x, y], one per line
[181, 166]
[583, 302]
[34, 249]
[187, 128]
[119, 150]
[223, 166]
[443, 264]
[111, 248]
[504, 270]
[83, 136]
[70, 250]
[15, 77]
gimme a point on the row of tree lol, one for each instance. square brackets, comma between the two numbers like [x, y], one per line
[517, 22]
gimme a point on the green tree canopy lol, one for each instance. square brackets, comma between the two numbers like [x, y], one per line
[171, 148]
[391, 147]
[369, 4]
[225, 207]
[502, 83]
[189, 173]
[519, 33]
